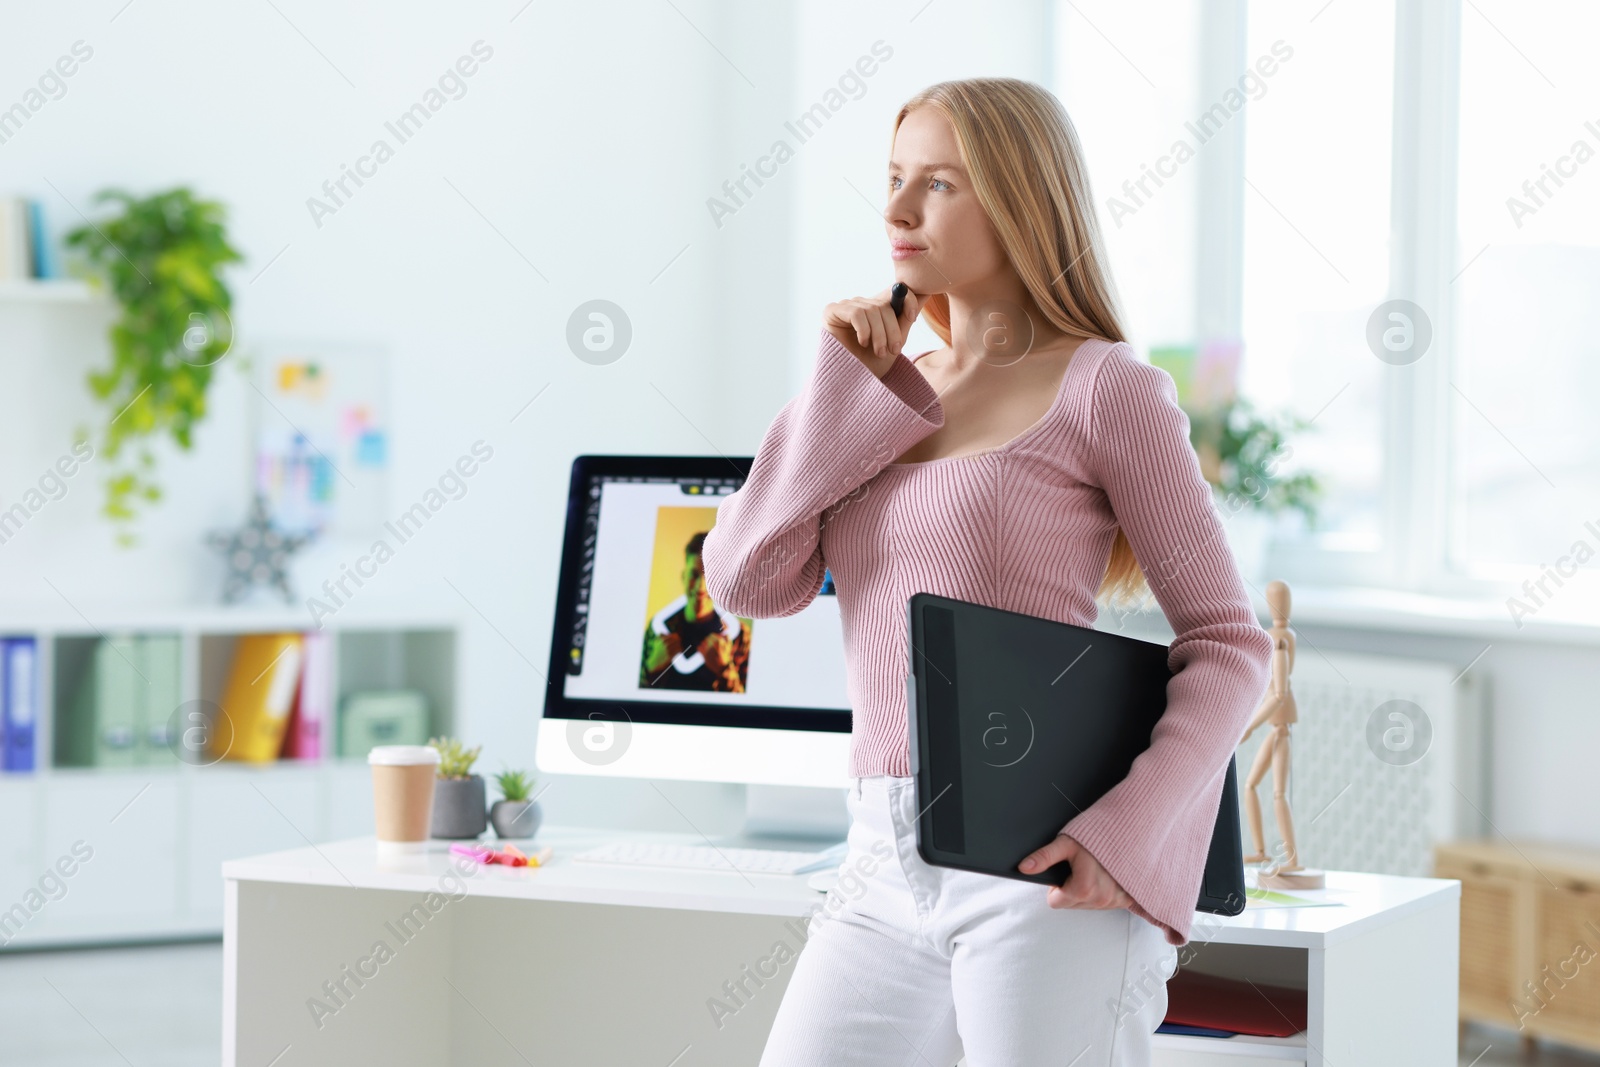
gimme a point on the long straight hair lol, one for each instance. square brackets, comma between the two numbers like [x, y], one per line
[1027, 168]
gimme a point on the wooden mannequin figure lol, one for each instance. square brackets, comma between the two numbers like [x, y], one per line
[1278, 713]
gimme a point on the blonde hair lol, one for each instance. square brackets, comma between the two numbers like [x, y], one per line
[1027, 168]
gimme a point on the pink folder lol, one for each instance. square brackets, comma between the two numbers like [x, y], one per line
[309, 735]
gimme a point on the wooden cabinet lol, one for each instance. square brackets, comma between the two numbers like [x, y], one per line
[1530, 936]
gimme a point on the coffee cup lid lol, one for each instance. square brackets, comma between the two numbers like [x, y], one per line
[403, 755]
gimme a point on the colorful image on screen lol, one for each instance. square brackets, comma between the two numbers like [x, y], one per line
[689, 643]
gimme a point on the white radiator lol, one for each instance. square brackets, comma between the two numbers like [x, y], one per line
[1388, 758]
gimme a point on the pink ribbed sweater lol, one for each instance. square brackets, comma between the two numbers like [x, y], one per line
[1026, 527]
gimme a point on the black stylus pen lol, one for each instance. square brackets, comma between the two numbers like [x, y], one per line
[897, 297]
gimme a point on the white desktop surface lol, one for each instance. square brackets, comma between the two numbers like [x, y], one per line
[1365, 901]
[519, 958]
[356, 863]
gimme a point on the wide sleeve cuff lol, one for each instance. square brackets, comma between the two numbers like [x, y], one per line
[905, 381]
[1152, 831]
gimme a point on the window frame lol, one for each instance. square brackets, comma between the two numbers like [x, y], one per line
[1416, 417]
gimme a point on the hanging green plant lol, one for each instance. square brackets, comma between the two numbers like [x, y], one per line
[161, 257]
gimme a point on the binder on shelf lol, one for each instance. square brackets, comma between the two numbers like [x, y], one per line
[309, 731]
[260, 694]
[122, 710]
[102, 729]
[19, 702]
[159, 698]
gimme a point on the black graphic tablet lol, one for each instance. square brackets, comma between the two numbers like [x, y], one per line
[1018, 723]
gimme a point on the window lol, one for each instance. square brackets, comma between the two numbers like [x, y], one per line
[1445, 153]
[1129, 101]
[1525, 440]
[1316, 246]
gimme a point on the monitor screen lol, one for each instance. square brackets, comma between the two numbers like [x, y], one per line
[638, 636]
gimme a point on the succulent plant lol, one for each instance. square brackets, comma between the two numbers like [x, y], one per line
[514, 785]
[455, 761]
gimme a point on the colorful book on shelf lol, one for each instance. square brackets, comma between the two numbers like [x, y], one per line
[1193, 1031]
[19, 702]
[43, 256]
[1233, 1005]
[308, 731]
[25, 252]
[262, 683]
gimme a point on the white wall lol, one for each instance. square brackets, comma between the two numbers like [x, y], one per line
[592, 139]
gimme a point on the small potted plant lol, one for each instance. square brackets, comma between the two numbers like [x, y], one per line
[1241, 450]
[459, 803]
[515, 815]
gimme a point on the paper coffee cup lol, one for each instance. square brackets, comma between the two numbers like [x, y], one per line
[402, 795]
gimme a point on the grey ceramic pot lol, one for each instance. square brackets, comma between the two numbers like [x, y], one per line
[458, 808]
[515, 819]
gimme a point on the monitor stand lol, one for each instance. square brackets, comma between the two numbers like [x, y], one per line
[794, 817]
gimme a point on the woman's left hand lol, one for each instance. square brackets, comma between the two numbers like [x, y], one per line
[1088, 886]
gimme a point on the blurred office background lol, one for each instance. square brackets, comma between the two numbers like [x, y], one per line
[1343, 154]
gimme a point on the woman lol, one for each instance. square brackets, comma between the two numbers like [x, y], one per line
[1032, 463]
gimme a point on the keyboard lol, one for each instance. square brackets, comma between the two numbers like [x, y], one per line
[708, 858]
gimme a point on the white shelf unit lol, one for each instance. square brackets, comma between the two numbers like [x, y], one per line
[47, 290]
[160, 833]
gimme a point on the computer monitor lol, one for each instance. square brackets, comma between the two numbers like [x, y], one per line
[632, 691]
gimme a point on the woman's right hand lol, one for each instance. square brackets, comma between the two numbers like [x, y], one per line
[867, 326]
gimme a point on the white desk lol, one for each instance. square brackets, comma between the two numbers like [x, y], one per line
[590, 964]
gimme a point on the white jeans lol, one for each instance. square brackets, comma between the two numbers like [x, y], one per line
[913, 964]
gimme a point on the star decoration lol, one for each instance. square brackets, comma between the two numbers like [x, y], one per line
[257, 553]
